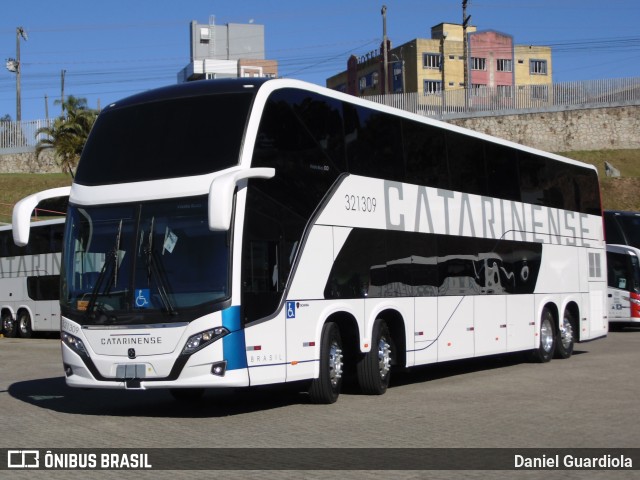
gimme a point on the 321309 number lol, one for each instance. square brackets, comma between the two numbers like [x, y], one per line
[360, 203]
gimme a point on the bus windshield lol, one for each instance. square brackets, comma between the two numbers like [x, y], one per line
[140, 258]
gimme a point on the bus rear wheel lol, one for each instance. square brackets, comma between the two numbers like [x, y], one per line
[9, 325]
[544, 352]
[374, 368]
[566, 336]
[24, 325]
[326, 388]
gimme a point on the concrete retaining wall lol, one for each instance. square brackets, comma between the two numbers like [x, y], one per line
[609, 128]
[25, 162]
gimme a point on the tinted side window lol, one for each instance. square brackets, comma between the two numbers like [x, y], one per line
[502, 172]
[374, 143]
[271, 237]
[301, 136]
[466, 163]
[533, 178]
[589, 191]
[623, 271]
[572, 188]
[630, 226]
[613, 233]
[426, 155]
[379, 263]
[46, 287]
[9, 248]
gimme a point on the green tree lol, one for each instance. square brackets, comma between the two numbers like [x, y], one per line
[68, 133]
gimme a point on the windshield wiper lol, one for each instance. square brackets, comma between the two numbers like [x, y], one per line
[153, 269]
[111, 258]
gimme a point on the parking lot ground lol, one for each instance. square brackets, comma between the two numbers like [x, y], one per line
[587, 401]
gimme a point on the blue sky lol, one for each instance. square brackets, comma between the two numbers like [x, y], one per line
[113, 49]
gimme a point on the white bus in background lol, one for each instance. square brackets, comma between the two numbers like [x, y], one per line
[623, 264]
[30, 280]
[246, 232]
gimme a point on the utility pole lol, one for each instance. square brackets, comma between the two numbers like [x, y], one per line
[46, 106]
[465, 51]
[62, 74]
[385, 59]
[442, 56]
[19, 33]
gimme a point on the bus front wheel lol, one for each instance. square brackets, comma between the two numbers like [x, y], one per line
[24, 325]
[9, 325]
[544, 352]
[374, 368]
[326, 388]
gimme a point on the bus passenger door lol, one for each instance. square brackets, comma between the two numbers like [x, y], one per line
[271, 237]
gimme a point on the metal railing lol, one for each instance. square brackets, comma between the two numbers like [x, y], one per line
[21, 135]
[17, 136]
[517, 98]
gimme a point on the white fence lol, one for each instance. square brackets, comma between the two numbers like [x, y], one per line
[20, 135]
[512, 99]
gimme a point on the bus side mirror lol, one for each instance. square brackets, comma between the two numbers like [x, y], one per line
[22, 212]
[221, 195]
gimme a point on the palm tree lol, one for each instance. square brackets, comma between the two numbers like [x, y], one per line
[68, 133]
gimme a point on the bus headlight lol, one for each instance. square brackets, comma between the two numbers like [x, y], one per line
[202, 339]
[74, 343]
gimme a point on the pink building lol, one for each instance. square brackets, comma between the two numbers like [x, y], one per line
[491, 57]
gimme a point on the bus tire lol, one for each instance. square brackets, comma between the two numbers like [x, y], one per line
[326, 388]
[374, 368]
[187, 394]
[545, 350]
[25, 329]
[9, 325]
[566, 336]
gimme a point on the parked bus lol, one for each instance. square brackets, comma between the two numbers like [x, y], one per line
[30, 280]
[623, 266]
[246, 232]
[622, 227]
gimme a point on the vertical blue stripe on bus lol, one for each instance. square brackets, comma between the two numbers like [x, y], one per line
[234, 350]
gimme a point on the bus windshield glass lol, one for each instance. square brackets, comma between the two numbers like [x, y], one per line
[167, 138]
[139, 258]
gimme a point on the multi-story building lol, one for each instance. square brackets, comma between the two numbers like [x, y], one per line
[227, 51]
[432, 65]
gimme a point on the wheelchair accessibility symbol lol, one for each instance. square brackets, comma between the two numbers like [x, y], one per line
[291, 310]
[143, 298]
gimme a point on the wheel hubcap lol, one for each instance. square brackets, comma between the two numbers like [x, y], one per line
[7, 324]
[546, 335]
[384, 357]
[566, 333]
[335, 364]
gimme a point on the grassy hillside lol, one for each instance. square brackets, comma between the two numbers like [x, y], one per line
[617, 193]
[14, 186]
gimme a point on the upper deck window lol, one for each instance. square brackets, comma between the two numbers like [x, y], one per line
[167, 138]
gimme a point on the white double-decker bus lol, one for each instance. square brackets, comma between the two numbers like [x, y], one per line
[30, 280]
[245, 232]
